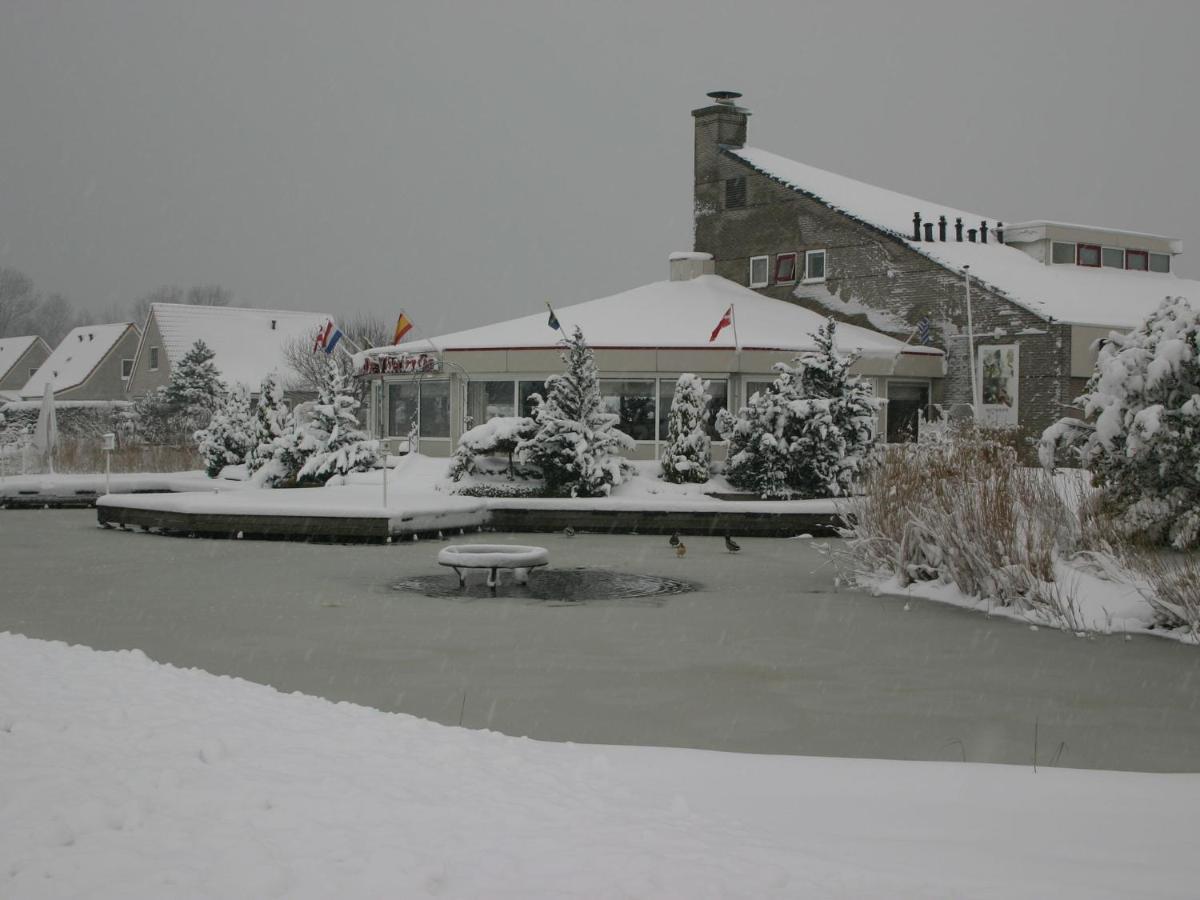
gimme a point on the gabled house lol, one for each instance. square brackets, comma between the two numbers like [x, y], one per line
[247, 343]
[1042, 293]
[20, 358]
[92, 362]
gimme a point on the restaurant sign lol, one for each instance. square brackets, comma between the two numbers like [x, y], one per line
[408, 364]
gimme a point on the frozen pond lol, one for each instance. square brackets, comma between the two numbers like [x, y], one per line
[765, 655]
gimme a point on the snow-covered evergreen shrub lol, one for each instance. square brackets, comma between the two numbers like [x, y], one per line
[687, 455]
[495, 437]
[227, 438]
[577, 445]
[151, 420]
[1140, 436]
[330, 440]
[809, 432]
[273, 458]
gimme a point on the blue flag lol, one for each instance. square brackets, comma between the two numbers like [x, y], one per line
[553, 321]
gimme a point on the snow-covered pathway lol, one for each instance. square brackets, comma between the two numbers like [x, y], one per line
[123, 777]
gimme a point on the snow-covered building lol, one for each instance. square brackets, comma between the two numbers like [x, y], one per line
[246, 343]
[1042, 293]
[643, 340]
[92, 362]
[20, 358]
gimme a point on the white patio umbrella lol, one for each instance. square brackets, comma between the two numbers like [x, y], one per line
[45, 436]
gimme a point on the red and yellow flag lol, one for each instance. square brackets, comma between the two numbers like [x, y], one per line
[403, 327]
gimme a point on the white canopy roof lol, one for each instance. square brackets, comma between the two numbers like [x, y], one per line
[668, 314]
[1101, 296]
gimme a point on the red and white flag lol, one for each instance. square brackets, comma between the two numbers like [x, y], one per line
[726, 321]
[322, 336]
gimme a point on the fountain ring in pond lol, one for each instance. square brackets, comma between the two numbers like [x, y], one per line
[493, 557]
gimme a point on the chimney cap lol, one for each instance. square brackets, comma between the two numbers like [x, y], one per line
[724, 98]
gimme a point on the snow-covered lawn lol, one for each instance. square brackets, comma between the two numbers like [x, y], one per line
[123, 777]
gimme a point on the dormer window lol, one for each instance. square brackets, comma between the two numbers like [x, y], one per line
[1136, 260]
[1089, 255]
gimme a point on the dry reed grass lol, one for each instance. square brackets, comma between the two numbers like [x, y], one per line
[86, 457]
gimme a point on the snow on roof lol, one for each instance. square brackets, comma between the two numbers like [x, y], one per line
[75, 357]
[669, 314]
[246, 343]
[12, 349]
[1102, 296]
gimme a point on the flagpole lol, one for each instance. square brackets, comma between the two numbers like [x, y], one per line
[737, 343]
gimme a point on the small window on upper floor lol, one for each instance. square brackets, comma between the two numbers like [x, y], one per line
[153, 359]
[1062, 252]
[1089, 255]
[735, 192]
[785, 268]
[759, 271]
[1136, 260]
[33, 371]
[1112, 258]
[1160, 262]
[814, 265]
[126, 368]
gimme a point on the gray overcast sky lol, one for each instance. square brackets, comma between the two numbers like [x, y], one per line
[469, 161]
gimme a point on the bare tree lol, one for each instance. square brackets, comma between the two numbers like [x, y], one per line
[17, 301]
[209, 295]
[308, 366]
[167, 293]
[52, 317]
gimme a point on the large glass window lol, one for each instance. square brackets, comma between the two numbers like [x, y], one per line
[1113, 258]
[1136, 260]
[1089, 255]
[402, 408]
[1160, 262]
[718, 390]
[435, 409]
[1062, 252]
[490, 399]
[633, 401]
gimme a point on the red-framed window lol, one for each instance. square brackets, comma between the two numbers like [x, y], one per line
[1088, 255]
[785, 268]
[1138, 260]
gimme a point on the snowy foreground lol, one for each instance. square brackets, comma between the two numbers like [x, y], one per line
[123, 777]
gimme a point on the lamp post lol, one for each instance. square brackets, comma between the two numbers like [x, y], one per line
[966, 270]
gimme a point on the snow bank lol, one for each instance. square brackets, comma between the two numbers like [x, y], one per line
[128, 778]
[53, 485]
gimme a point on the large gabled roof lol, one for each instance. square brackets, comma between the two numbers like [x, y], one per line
[75, 358]
[247, 343]
[13, 348]
[1110, 297]
[669, 315]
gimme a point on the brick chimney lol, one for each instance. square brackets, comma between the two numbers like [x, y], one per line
[722, 123]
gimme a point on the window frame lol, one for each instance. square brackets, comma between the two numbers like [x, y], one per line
[780, 258]
[809, 254]
[1145, 257]
[1104, 250]
[766, 279]
[126, 362]
[1079, 250]
[1150, 262]
[152, 360]
[1074, 253]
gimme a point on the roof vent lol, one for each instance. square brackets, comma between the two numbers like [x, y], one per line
[725, 98]
[80, 336]
[272, 324]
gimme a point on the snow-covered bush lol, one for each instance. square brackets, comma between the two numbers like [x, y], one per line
[151, 421]
[1140, 435]
[964, 512]
[577, 445]
[495, 437]
[809, 432]
[273, 458]
[687, 455]
[329, 440]
[195, 388]
[227, 438]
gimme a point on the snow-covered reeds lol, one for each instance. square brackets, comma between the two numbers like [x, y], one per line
[963, 511]
[87, 456]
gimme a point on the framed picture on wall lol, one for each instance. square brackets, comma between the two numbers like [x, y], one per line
[998, 368]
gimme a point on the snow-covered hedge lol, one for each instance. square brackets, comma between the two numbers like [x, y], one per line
[1140, 432]
[75, 418]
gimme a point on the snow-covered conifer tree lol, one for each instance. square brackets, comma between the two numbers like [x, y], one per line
[1140, 435]
[227, 438]
[195, 388]
[330, 440]
[577, 446]
[272, 457]
[687, 456]
[809, 432]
